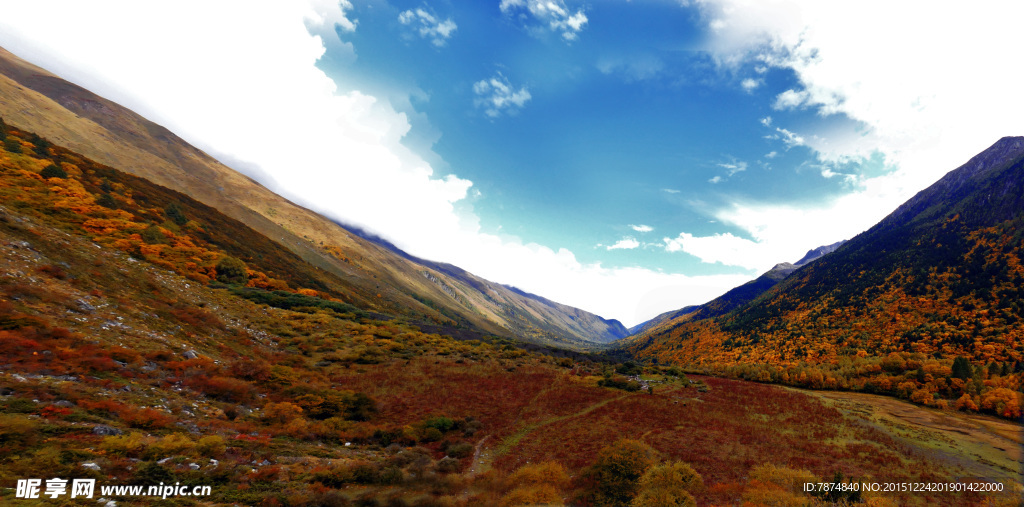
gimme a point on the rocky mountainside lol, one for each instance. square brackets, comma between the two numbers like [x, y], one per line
[377, 277]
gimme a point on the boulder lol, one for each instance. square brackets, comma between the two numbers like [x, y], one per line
[105, 430]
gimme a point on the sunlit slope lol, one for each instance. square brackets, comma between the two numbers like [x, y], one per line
[734, 298]
[386, 280]
[940, 277]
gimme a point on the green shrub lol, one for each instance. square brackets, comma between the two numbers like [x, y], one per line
[18, 406]
[459, 450]
[154, 236]
[174, 212]
[232, 270]
[432, 435]
[620, 383]
[211, 447]
[448, 465]
[442, 423]
[18, 429]
[152, 474]
[107, 201]
[12, 145]
[53, 171]
[292, 301]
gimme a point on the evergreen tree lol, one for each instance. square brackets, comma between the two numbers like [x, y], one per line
[106, 201]
[961, 368]
[173, 211]
[12, 145]
[53, 171]
[42, 145]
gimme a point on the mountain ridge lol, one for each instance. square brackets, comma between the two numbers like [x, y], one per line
[938, 280]
[69, 115]
[736, 296]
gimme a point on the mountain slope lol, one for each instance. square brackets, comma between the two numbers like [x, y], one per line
[377, 278]
[939, 278]
[735, 297]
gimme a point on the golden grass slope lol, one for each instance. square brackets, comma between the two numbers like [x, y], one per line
[68, 115]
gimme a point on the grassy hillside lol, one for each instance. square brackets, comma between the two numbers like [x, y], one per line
[394, 282]
[732, 299]
[927, 305]
[130, 353]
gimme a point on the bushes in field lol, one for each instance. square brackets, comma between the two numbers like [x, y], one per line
[629, 472]
[623, 383]
[293, 301]
[668, 484]
[53, 171]
[231, 270]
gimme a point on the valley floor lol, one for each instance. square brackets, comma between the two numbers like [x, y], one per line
[981, 446]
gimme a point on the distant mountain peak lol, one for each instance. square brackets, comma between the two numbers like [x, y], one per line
[818, 252]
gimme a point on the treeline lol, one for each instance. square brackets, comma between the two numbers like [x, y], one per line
[993, 389]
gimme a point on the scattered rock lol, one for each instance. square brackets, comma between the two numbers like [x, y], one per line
[191, 354]
[193, 466]
[84, 306]
[25, 245]
[91, 466]
[191, 427]
[165, 460]
[105, 430]
[214, 462]
[64, 404]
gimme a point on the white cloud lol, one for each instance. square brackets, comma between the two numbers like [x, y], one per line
[428, 26]
[736, 166]
[497, 95]
[924, 100]
[642, 228]
[719, 248]
[551, 14]
[771, 154]
[240, 72]
[323, 16]
[790, 139]
[670, 191]
[626, 243]
[716, 179]
[749, 84]
[790, 99]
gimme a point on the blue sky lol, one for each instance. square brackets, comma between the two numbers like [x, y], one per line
[627, 158]
[632, 122]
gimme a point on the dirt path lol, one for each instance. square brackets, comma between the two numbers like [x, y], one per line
[482, 458]
[984, 447]
[476, 466]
